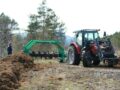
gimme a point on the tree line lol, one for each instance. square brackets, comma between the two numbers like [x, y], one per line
[45, 25]
[115, 38]
[6, 26]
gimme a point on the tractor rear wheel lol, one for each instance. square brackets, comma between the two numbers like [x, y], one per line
[110, 63]
[87, 59]
[73, 56]
[96, 61]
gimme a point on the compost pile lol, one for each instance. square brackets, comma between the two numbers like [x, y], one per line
[11, 70]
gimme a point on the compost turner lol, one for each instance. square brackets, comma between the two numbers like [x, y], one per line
[45, 54]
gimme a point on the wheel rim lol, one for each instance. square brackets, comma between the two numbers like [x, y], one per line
[71, 56]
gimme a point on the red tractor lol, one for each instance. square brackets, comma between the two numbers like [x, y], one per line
[91, 49]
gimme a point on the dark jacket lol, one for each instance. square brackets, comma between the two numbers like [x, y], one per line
[9, 50]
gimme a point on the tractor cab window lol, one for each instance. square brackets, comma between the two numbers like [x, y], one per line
[96, 35]
[79, 39]
[89, 36]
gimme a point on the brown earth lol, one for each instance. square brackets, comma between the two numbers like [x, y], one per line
[51, 75]
[11, 70]
[18, 72]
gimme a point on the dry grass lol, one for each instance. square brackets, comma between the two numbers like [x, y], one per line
[50, 75]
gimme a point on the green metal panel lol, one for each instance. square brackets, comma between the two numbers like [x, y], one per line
[61, 51]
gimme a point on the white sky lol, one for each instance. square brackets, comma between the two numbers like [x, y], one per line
[77, 14]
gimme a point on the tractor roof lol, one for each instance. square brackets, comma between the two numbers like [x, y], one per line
[87, 30]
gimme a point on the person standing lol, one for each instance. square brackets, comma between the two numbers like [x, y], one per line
[9, 49]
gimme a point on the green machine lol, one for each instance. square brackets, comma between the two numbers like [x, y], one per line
[28, 46]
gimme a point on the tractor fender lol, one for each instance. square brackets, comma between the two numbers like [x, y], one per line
[76, 47]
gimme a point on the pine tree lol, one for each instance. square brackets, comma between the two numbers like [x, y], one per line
[45, 24]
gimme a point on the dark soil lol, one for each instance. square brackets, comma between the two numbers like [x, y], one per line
[11, 70]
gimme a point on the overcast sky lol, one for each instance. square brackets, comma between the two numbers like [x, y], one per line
[77, 14]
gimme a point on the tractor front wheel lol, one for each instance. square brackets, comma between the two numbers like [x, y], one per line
[73, 56]
[87, 59]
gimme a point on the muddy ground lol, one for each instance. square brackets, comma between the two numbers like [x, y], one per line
[19, 72]
[52, 75]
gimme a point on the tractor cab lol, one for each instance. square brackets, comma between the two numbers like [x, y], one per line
[86, 36]
[91, 49]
